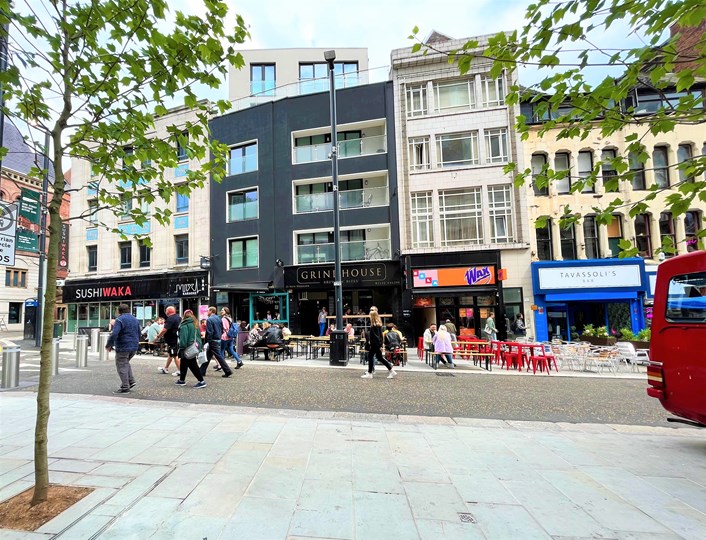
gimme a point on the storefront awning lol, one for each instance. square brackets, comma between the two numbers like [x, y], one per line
[597, 296]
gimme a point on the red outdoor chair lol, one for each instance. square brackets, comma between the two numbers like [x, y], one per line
[420, 347]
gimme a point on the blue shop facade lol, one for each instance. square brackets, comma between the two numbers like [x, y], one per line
[568, 295]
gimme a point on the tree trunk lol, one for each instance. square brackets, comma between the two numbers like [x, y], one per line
[41, 464]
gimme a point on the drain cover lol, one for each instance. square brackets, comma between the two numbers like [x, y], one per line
[466, 517]
[444, 374]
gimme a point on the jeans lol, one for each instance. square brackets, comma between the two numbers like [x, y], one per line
[214, 349]
[376, 354]
[446, 358]
[322, 329]
[227, 346]
[122, 364]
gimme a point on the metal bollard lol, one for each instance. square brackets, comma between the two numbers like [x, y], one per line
[95, 332]
[10, 367]
[55, 356]
[102, 342]
[74, 340]
[82, 351]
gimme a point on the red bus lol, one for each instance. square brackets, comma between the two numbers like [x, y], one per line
[677, 371]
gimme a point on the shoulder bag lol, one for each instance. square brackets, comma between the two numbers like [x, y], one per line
[191, 351]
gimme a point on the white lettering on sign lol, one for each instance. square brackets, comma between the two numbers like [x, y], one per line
[579, 277]
[8, 229]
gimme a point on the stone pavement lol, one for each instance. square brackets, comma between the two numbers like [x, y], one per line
[177, 471]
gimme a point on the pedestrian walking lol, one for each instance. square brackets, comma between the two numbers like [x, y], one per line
[375, 347]
[322, 321]
[170, 333]
[490, 331]
[214, 331]
[125, 339]
[443, 347]
[451, 328]
[188, 334]
[230, 334]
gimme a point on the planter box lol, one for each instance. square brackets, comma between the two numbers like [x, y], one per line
[599, 341]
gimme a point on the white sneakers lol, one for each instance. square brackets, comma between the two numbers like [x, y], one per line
[391, 375]
[175, 374]
[162, 370]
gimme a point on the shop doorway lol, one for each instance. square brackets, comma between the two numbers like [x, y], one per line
[309, 317]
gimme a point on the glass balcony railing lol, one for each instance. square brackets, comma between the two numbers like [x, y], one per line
[376, 144]
[354, 198]
[361, 250]
[263, 88]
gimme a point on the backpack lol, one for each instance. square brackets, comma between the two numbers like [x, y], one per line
[513, 326]
[232, 330]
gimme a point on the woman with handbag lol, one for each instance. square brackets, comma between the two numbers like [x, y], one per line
[189, 349]
[375, 347]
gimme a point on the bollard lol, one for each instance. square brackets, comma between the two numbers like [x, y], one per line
[75, 337]
[55, 356]
[102, 342]
[95, 332]
[10, 367]
[82, 351]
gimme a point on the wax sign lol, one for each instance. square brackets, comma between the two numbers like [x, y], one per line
[459, 276]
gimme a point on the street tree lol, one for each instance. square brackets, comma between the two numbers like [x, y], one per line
[586, 89]
[95, 74]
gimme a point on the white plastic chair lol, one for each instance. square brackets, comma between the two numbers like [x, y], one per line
[632, 357]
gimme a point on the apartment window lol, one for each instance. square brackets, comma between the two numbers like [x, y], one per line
[243, 253]
[461, 216]
[544, 241]
[313, 77]
[416, 100]
[13, 312]
[539, 162]
[590, 237]
[243, 158]
[128, 152]
[660, 165]
[684, 154]
[692, 224]
[125, 249]
[181, 144]
[493, 92]
[93, 211]
[615, 234]
[667, 233]
[419, 153]
[125, 206]
[608, 171]
[262, 79]
[243, 205]
[457, 149]
[92, 256]
[561, 163]
[182, 203]
[496, 145]
[567, 239]
[454, 96]
[422, 215]
[181, 245]
[500, 211]
[643, 240]
[145, 255]
[637, 172]
[16, 278]
[585, 168]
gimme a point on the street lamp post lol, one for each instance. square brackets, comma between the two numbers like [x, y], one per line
[339, 338]
[42, 245]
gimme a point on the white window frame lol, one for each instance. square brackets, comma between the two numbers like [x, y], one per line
[473, 211]
[243, 145]
[471, 136]
[243, 190]
[567, 178]
[500, 212]
[418, 93]
[242, 238]
[584, 166]
[498, 86]
[418, 148]
[470, 94]
[421, 217]
[499, 134]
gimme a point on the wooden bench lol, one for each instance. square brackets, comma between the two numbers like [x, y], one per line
[477, 357]
[276, 352]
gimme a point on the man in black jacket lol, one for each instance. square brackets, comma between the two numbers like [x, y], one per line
[272, 338]
[214, 331]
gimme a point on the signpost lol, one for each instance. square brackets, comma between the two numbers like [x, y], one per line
[8, 229]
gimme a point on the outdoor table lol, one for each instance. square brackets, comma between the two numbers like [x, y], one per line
[477, 350]
[298, 342]
[525, 350]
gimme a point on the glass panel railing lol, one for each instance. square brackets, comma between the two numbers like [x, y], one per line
[362, 250]
[263, 88]
[315, 152]
[375, 144]
[242, 164]
[359, 198]
[243, 211]
[314, 202]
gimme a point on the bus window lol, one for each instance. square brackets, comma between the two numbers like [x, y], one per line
[686, 299]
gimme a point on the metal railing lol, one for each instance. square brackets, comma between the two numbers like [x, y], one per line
[361, 250]
[365, 146]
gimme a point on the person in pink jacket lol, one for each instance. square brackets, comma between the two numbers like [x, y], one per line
[443, 347]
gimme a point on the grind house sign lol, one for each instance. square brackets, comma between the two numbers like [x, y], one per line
[362, 275]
